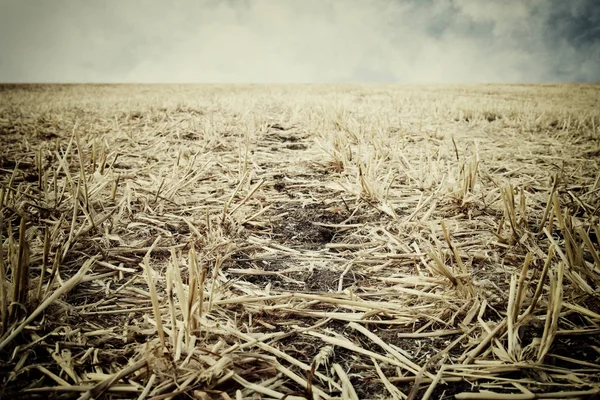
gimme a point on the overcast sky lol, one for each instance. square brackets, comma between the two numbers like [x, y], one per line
[300, 41]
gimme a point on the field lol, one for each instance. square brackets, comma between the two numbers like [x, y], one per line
[300, 242]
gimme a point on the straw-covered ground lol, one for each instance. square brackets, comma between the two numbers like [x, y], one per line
[291, 242]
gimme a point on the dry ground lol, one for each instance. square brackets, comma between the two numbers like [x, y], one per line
[352, 242]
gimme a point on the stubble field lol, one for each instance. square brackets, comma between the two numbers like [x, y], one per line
[292, 242]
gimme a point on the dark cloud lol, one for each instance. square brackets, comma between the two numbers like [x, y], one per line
[300, 41]
[578, 23]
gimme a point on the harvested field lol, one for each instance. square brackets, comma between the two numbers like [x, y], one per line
[300, 242]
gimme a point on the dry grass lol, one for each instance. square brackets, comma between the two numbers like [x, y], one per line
[297, 242]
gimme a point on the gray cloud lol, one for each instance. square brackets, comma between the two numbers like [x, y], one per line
[299, 41]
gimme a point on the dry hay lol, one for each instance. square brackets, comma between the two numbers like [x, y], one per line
[300, 242]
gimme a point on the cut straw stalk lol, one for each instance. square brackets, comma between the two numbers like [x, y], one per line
[105, 385]
[44, 266]
[348, 391]
[345, 343]
[392, 390]
[3, 292]
[250, 341]
[21, 269]
[554, 306]
[302, 382]
[588, 243]
[213, 284]
[487, 395]
[406, 363]
[65, 288]
[171, 303]
[264, 390]
[516, 295]
[153, 294]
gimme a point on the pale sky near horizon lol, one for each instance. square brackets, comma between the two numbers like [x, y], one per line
[293, 41]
